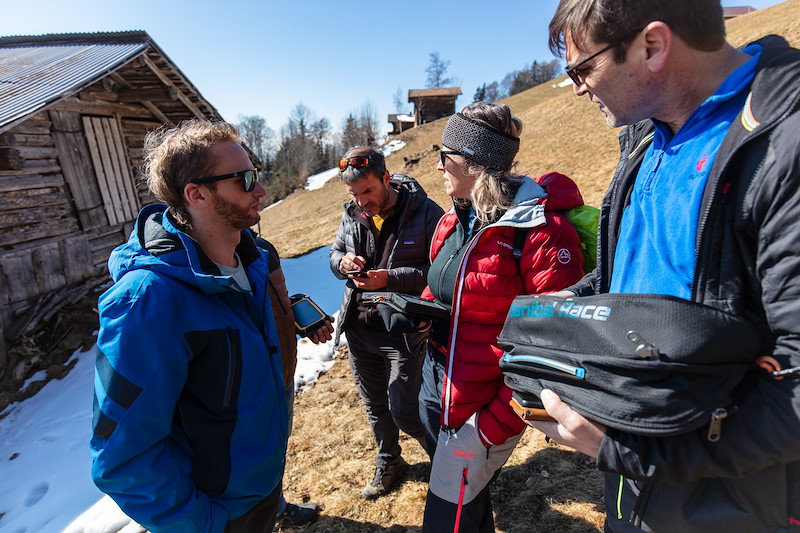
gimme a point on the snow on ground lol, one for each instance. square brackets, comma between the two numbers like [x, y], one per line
[45, 484]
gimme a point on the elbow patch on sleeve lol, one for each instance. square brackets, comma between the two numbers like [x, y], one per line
[117, 389]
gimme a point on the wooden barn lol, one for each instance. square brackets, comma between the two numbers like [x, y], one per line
[74, 109]
[433, 104]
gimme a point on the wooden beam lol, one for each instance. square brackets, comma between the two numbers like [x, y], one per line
[154, 93]
[10, 159]
[20, 183]
[158, 114]
[101, 108]
[28, 171]
[117, 77]
[169, 83]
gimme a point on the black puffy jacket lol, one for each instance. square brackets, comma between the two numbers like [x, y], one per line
[408, 261]
[748, 263]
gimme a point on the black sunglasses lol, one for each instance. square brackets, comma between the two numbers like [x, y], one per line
[249, 178]
[444, 153]
[358, 161]
[574, 72]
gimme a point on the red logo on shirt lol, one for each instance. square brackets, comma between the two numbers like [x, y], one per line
[702, 162]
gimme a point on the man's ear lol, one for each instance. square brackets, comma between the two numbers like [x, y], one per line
[194, 195]
[657, 40]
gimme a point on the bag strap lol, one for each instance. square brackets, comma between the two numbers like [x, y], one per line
[519, 243]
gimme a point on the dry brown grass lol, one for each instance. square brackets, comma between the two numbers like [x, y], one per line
[543, 488]
[331, 456]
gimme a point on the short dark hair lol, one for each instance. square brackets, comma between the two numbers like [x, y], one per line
[699, 23]
[376, 166]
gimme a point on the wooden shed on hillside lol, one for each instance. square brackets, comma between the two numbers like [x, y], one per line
[74, 110]
[433, 104]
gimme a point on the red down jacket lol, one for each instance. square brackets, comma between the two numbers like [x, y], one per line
[488, 279]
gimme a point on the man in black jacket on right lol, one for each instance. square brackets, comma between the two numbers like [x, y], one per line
[703, 206]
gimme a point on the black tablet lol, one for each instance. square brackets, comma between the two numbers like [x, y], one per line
[412, 305]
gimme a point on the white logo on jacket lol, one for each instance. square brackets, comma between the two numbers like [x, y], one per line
[564, 256]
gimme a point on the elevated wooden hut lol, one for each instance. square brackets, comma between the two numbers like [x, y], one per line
[74, 109]
[433, 104]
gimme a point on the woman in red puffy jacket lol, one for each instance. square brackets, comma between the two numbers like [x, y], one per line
[463, 401]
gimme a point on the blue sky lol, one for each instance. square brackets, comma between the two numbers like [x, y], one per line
[264, 57]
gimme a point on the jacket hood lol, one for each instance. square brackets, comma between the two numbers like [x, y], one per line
[562, 192]
[548, 192]
[157, 244]
[779, 68]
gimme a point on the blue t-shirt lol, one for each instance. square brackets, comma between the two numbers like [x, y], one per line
[656, 251]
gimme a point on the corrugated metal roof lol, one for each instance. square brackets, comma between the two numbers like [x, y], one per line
[35, 74]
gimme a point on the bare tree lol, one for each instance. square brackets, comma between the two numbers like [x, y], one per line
[437, 72]
[399, 101]
[257, 136]
[360, 128]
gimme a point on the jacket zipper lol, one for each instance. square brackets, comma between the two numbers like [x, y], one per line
[447, 385]
[578, 372]
[232, 367]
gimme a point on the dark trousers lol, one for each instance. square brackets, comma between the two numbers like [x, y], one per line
[259, 519]
[620, 497]
[430, 396]
[386, 369]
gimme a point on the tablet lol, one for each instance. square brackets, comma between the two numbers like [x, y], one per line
[412, 305]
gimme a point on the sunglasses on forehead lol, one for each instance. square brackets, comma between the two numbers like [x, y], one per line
[358, 161]
[249, 178]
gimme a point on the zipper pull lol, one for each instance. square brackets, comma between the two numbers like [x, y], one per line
[451, 434]
[715, 427]
[778, 374]
[644, 348]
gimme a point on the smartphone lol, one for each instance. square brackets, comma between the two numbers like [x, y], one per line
[356, 273]
[529, 407]
[308, 317]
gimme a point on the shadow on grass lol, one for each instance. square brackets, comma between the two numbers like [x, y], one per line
[554, 491]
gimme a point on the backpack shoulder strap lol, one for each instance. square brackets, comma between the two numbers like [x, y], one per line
[519, 243]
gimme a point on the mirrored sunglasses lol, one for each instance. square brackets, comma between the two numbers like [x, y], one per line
[358, 161]
[249, 178]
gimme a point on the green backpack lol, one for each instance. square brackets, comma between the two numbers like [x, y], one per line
[584, 219]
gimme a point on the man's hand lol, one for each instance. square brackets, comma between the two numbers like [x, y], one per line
[571, 428]
[376, 279]
[350, 262]
[324, 333]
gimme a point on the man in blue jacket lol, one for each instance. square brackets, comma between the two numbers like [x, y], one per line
[703, 206]
[190, 416]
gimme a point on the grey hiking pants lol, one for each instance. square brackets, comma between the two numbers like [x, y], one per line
[387, 372]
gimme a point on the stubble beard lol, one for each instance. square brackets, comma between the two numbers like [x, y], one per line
[234, 215]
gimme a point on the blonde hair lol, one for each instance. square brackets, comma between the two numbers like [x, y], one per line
[173, 157]
[493, 191]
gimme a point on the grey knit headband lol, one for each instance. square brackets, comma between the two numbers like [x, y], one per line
[480, 143]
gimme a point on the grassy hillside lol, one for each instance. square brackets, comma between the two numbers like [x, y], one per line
[562, 133]
[544, 487]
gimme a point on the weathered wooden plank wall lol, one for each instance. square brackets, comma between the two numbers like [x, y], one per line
[70, 185]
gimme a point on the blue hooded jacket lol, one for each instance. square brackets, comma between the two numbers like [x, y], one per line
[190, 415]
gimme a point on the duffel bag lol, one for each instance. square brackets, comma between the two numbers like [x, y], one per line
[647, 364]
